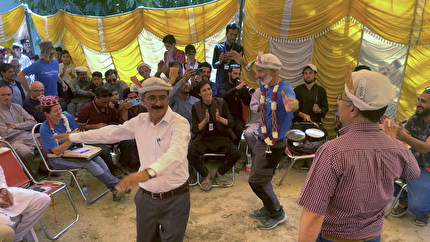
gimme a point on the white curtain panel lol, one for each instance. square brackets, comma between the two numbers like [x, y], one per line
[97, 61]
[294, 57]
[209, 49]
[386, 58]
[152, 49]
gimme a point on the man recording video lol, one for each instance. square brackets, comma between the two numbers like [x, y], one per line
[233, 92]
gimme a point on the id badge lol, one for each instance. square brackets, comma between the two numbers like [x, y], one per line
[211, 126]
[226, 66]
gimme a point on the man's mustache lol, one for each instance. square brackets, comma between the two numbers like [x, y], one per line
[157, 107]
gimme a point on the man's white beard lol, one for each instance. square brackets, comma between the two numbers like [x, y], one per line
[267, 79]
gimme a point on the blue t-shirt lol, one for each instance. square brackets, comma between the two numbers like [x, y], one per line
[283, 118]
[46, 73]
[46, 134]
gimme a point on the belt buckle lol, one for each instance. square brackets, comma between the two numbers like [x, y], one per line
[160, 195]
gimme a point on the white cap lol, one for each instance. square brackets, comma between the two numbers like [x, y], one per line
[146, 65]
[372, 90]
[266, 61]
[312, 66]
[154, 84]
[81, 69]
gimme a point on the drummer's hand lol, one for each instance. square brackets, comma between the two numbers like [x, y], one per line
[306, 117]
[290, 104]
[390, 128]
[316, 108]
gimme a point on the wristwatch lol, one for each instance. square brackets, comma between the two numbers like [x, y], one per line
[151, 173]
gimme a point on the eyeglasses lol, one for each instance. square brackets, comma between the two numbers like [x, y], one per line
[103, 95]
[111, 80]
[42, 90]
[340, 98]
[153, 99]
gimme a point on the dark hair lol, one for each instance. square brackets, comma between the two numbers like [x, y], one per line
[169, 39]
[175, 63]
[34, 57]
[5, 67]
[189, 48]
[59, 49]
[205, 64]
[233, 66]
[126, 92]
[23, 41]
[231, 26]
[43, 109]
[362, 67]
[373, 115]
[102, 91]
[66, 52]
[98, 74]
[201, 84]
[6, 85]
[110, 72]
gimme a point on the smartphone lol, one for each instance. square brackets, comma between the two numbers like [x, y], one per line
[136, 101]
[199, 71]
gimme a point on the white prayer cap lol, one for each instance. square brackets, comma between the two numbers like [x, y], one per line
[81, 69]
[154, 84]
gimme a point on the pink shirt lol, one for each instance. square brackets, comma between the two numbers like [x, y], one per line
[352, 179]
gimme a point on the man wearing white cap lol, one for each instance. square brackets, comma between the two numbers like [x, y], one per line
[83, 94]
[351, 178]
[277, 100]
[145, 71]
[312, 98]
[162, 136]
[23, 59]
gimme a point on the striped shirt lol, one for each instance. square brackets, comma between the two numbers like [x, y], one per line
[351, 180]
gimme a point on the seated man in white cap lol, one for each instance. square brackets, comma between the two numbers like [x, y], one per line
[351, 178]
[162, 136]
[83, 94]
[145, 71]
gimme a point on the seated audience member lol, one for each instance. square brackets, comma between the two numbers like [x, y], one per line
[9, 78]
[212, 123]
[251, 128]
[97, 114]
[23, 59]
[15, 127]
[59, 123]
[416, 133]
[313, 104]
[351, 179]
[172, 53]
[113, 81]
[97, 80]
[83, 92]
[235, 92]
[205, 76]
[2, 55]
[114, 99]
[31, 205]
[66, 70]
[190, 52]
[127, 110]
[30, 104]
[26, 48]
[17, 68]
[180, 100]
[166, 72]
[34, 58]
[145, 71]
[58, 51]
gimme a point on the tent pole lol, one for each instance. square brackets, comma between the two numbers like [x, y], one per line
[242, 2]
[27, 17]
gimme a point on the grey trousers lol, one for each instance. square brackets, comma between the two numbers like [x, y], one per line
[161, 219]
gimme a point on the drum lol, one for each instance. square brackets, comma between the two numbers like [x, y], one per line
[296, 135]
[314, 134]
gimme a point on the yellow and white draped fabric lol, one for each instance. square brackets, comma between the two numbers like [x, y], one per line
[12, 26]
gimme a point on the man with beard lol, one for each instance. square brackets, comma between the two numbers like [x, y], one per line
[162, 136]
[312, 98]
[234, 92]
[277, 100]
[180, 99]
[113, 81]
[416, 133]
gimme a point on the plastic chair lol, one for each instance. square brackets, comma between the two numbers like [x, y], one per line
[217, 155]
[73, 172]
[17, 175]
[404, 187]
[294, 158]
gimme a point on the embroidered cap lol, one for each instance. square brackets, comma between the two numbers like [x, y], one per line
[48, 101]
[45, 44]
[372, 90]
[81, 69]
[146, 65]
[266, 61]
[154, 84]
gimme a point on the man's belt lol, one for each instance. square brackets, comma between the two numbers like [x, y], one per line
[334, 239]
[162, 195]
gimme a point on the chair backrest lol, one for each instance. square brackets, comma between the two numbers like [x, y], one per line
[38, 142]
[15, 175]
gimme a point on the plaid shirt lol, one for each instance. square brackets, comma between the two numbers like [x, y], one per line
[351, 180]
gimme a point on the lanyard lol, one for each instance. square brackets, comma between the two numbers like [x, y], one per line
[225, 47]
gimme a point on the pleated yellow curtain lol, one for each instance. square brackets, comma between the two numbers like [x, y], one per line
[85, 29]
[49, 28]
[416, 78]
[126, 61]
[265, 16]
[10, 23]
[424, 38]
[391, 20]
[75, 49]
[331, 51]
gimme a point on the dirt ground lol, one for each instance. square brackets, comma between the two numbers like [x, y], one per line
[221, 214]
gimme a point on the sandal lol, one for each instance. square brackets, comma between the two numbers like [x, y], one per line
[220, 181]
[206, 181]
[421, 221]
[399, 212]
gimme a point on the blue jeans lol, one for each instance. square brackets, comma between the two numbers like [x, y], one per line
[418, 196]
[377, 239]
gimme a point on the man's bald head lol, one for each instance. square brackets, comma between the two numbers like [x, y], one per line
[36, 90]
